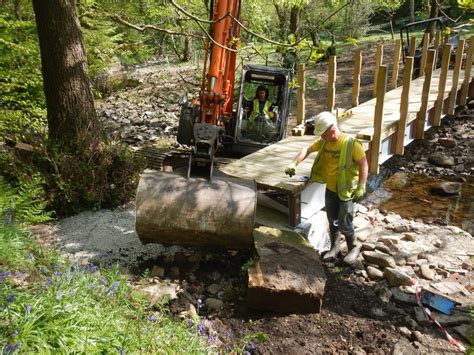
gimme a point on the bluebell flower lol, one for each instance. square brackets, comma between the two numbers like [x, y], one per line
[28, 309]
[30, 256]
[103, 282]
[55, 266]
[4, 275]
[10, 349]
[11, 298]
[94, 268]
[59, 274]
[212, 338]
[152, 318]
[201, 328]
[75, 267]
[43, 270]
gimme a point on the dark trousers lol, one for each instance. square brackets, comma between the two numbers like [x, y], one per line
[340, 214]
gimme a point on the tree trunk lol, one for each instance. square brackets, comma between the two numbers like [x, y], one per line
[282, 21]
[391, 27]
[187, 49]
[70, 105]
[295, 21]
[17, 10]
[434, 10]
[412, 10]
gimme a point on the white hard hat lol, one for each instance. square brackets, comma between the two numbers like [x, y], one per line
[323, 121]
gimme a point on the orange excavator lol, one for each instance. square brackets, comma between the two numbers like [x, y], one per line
[199, 205]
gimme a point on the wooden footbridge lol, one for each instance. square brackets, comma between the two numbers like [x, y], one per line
[385, 124]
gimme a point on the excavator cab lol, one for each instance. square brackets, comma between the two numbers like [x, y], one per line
[254, 129]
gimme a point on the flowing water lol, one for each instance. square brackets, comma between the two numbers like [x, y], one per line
[410, 197]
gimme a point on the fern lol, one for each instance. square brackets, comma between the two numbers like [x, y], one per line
[24, 203]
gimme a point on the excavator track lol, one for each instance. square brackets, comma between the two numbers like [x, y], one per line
[167, 159]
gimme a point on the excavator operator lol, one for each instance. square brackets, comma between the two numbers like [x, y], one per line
[262, 122]
[261, 104]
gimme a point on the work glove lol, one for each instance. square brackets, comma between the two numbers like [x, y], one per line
[291, 169]
[359, 192]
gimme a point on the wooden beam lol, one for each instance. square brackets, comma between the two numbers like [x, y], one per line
[412, 48]
[424, 52]
[378, 63]
[437, 41]
[446, 38]
[331, 83]
[300, 100]
[425, 94]
[405, 99]
[396, 61]
[438, 106]
[467, 73]
[457, 68]
[378, 120]
[356, 78]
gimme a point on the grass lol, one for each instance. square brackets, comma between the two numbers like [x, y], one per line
[49, 305]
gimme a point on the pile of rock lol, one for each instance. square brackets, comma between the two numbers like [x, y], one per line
[149, 111]
[397, 255]
[445, 151]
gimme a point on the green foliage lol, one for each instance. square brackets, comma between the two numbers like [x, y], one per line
[48, 305]
[22, 102]
[466, 5]
[97, 174]
[26, 203]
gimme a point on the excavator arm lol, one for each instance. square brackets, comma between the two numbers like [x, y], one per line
[216, 95]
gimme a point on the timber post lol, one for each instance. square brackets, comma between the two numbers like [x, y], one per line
[412, 48]
[424, 53]
[331, 83]
[457, 69]
[356, 78]
[405, 99]
[300, 100]
[378, 63]
[438, 107]
[467, 73]
[396, 62]
[425, 94]
[376, 144]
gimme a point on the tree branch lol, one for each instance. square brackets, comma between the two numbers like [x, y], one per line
[143, 28]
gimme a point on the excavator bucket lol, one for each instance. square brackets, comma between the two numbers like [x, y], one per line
[174, 210]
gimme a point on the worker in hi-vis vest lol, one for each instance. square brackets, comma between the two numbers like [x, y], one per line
[341, 164]
[261, 104]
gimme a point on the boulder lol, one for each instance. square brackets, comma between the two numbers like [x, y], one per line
[288, 276]
[378, 258]
[447, 188]
[441, 159]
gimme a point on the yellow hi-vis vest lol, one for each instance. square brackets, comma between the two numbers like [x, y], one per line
[256, 109]
[347, 171]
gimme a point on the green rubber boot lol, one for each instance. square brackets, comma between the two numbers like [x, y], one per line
[353, 250]
[335, 247]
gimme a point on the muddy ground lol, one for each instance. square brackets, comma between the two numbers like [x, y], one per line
[354, 320]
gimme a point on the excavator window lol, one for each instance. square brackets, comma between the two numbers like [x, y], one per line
[260, 121]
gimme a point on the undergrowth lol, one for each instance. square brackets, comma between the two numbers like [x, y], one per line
[49, 305]
[97, 174]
